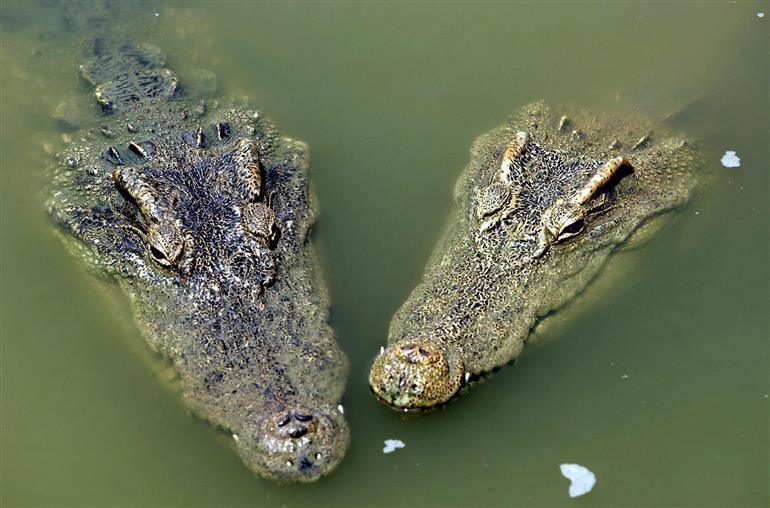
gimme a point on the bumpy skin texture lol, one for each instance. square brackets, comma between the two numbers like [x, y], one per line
[240, 310]
[489, 282]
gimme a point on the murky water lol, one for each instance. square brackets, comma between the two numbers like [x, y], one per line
[660, 388]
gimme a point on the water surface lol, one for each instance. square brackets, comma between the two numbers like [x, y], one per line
[660, 388]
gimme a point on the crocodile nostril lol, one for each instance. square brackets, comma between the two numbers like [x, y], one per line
[303, 417]
[298, 432]
[305, 464]
[283, 421]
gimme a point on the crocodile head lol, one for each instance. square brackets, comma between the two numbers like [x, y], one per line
[203, 220]
[540, 210]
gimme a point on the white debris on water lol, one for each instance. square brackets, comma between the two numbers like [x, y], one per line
[581, 479]
[730, 159]
[391, 445]
[760, 14]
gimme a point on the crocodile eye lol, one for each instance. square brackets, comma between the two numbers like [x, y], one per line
[157, 254]
[572, 229]
[165, 243]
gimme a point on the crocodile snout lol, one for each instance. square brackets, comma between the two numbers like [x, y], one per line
[295, 444]
[413, 375]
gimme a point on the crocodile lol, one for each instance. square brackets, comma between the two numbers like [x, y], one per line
[541, 208]
[201, 211]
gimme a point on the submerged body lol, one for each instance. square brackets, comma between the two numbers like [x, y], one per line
[201, 212]
[543, 204]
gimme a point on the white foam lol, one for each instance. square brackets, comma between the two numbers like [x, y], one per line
[392, 444]
[730, 159]
[581, 479]
[760, 14]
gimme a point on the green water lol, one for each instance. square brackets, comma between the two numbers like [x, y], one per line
[661, 388]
